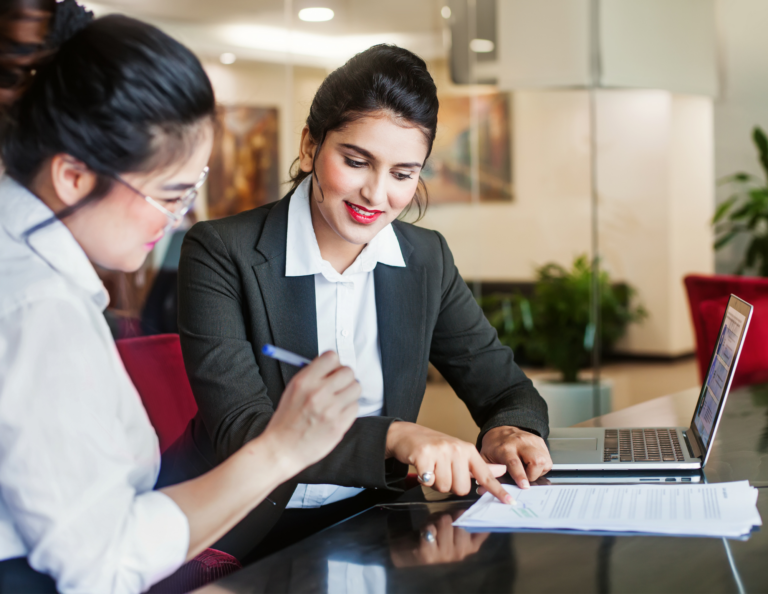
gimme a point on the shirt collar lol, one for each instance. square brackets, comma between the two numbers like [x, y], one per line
[21, 210]
[302, 254]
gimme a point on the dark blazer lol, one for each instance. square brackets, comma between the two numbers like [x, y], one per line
[234, 297]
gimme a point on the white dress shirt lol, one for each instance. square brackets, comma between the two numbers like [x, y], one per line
[346, 317]
[78, 456]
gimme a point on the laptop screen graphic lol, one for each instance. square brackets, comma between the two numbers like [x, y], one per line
[717, 377]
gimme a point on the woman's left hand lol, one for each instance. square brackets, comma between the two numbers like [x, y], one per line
[524, 454]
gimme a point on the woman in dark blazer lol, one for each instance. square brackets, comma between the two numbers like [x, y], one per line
[330, 266]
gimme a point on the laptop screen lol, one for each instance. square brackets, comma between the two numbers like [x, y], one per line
[720, 369]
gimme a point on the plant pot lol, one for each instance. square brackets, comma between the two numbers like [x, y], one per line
[572, 403]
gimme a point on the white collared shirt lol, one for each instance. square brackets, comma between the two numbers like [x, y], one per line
[346, 317]
[78, 456]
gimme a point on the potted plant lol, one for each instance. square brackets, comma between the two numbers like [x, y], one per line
[554, 328]
[746, 212]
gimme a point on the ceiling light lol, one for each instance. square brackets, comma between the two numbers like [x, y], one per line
[446, 12]
[315, 15]
[326, 50]
[481, 46]
[227, 58]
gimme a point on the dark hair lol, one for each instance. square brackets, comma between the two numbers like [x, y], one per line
[383, 78]
[24, 27]
[117, 94]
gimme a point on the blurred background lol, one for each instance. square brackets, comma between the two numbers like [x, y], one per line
[583, 149]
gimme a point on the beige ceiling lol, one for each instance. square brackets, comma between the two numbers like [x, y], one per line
[353, 17]
[270, 30]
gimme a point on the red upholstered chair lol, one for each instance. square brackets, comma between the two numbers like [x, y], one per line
[707, 297]
[156, 368]
[208, 566]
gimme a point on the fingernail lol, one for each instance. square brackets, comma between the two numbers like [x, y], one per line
[509, 500]
[524, 484]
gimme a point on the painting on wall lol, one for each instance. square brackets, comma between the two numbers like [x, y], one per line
[448, 173]
[244, 161]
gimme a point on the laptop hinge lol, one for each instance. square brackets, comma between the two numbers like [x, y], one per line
[693, 448]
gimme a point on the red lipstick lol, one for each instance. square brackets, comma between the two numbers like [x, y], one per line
[361, 214]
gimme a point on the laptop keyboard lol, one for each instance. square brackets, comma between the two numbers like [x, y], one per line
[642, 445]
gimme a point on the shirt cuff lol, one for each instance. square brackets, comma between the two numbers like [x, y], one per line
[161, 537]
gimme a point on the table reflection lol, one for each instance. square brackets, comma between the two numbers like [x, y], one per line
[437, 542]
[354, 578]
[414, 540]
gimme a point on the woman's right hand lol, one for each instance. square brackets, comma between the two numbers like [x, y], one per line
[452, 462]
[317, 408]
[439, 542]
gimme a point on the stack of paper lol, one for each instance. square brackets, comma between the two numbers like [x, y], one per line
[721, 509]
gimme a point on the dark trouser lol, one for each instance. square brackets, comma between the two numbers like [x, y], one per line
[17, 577]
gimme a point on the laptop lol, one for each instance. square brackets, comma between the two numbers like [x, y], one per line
[661, 448]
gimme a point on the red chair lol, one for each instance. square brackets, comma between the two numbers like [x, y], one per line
[156, 368]
[708, 297]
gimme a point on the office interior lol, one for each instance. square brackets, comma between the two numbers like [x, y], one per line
[600, 175]
[567, 129]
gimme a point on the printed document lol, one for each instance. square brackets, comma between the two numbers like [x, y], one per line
[718, 510]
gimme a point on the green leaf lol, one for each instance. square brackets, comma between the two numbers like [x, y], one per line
[723, 208]
[741, 213]
[725, 239]
[753, 253]
[740, 178]
[761, 142]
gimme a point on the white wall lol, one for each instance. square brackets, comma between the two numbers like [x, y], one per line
[656, 199]
[743, 102]
[289, 89]
[549, 218]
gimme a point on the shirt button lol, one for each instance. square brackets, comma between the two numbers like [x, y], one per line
[345, 333]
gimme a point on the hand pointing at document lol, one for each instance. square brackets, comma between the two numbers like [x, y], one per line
[450, 462]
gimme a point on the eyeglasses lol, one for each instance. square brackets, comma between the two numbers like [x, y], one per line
[173, 208]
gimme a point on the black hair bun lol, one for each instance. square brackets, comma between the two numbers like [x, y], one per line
[69, 19]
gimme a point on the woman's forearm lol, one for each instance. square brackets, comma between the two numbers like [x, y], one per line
[216, 501]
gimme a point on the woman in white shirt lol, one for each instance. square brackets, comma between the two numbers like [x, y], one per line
[104, 149]
[331, 266]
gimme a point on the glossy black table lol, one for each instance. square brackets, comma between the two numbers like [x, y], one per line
[385, 549]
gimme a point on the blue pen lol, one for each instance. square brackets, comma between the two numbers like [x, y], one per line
[284, 356]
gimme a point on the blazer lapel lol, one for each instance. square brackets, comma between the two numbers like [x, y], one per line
[401, 308]
[289, 301]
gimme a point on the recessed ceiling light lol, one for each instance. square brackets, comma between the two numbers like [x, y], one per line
[227, 58]
[446, 12]
[315, 15]
[481, 46]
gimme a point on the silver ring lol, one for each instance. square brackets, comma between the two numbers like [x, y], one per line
[426, 477]
[428, 536]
